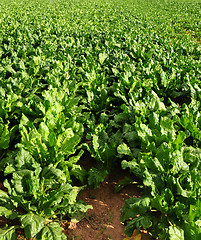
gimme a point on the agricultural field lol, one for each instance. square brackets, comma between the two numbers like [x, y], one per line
[91, 87]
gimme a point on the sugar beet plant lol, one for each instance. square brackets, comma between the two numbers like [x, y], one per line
[119, 80]
[41, 163]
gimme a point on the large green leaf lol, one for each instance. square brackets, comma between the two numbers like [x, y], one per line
[32, 224]
[176, 233]
[4, 136]
[192, 231]
[96, 176]
[8, 233]
[134, 206]
[124, 149]
[51, 231]
[8, 213]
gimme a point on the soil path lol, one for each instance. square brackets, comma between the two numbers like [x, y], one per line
[103, 221]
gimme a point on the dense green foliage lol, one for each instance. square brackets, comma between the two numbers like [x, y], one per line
[117, 79]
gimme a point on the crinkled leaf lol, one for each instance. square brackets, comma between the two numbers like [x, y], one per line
[96, 176]
[192, 231]
[32, 224]
[67, 142]
[134, 206]
[102, 57]
[4, 136]
[52, 139]
[176, 233]
[8, 233]
[124, 149]
[74, 159]
[181, 191]
[79, 172]
[144, 132]
[7, 213]
[51, 231]
[134, 167]
[50, 172]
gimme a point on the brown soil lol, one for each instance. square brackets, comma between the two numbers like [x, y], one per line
[3, 221]
[3, 188]
[103, 222]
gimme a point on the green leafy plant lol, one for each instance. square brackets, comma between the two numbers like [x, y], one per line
[119, 80]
